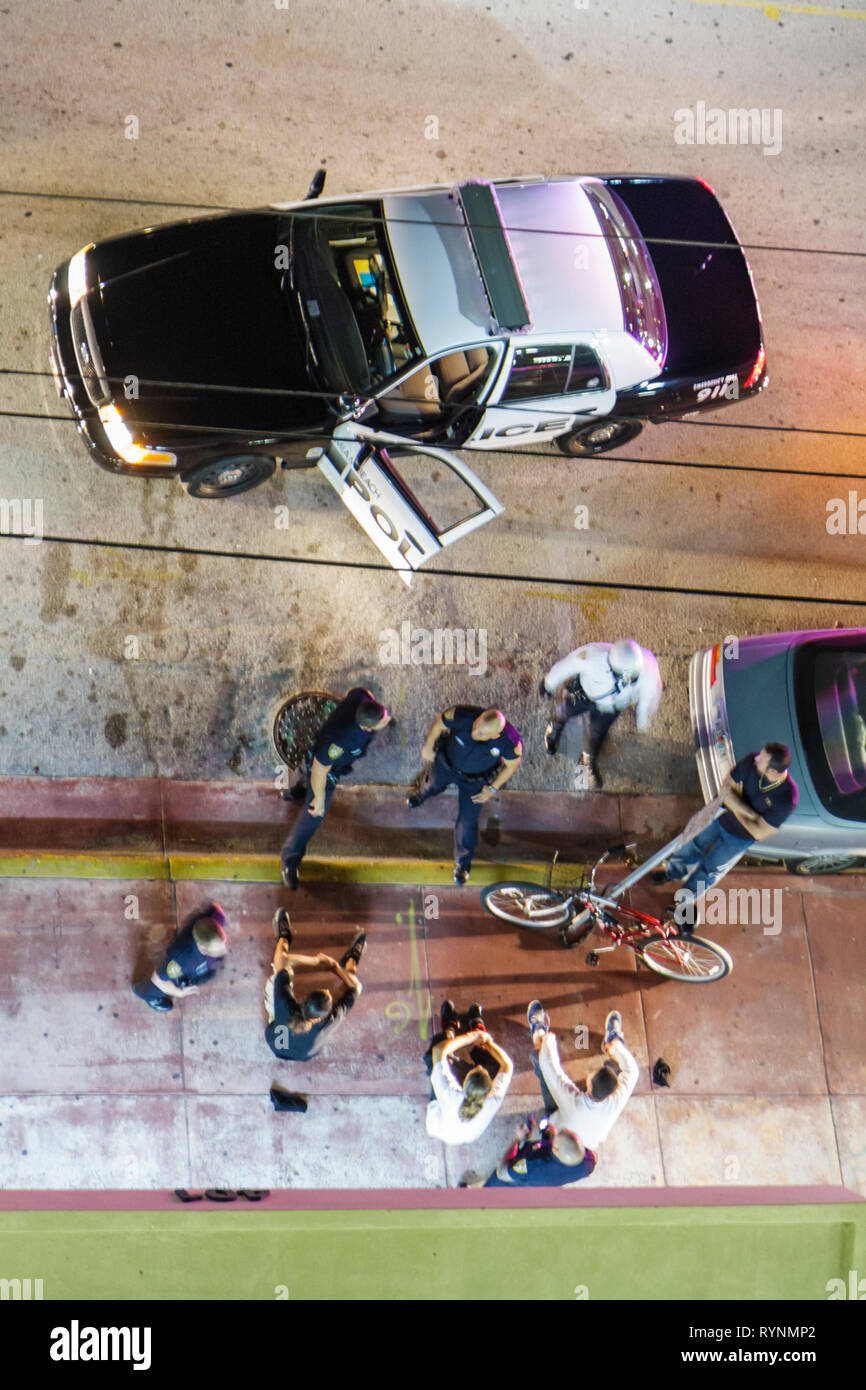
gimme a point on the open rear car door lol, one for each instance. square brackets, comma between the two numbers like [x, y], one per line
[358, 465]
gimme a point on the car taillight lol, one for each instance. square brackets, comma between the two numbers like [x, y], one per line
[755, 373]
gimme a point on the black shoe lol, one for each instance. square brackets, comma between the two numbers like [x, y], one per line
[356, 950]
[552, 735]
[282, 926]
[475, 1017]
[461, 874]
[298, 792]
[449, 1017]
[414, 799]
[660, 876]
[289, 873]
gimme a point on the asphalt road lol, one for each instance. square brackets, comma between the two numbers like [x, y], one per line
[695, 532]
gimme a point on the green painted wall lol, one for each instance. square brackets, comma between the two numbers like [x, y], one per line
[614, 1253]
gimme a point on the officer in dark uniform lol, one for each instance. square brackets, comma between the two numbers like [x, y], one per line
[193, 957]
[477, 751]
[342, 739]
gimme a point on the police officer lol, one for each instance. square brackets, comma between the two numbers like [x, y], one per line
[477, 751]
[601, 679]
[343, 737]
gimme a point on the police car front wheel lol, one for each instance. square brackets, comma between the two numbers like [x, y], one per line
[226, 477]
[598, 437]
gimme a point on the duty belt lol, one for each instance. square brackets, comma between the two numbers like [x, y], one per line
[467, 776]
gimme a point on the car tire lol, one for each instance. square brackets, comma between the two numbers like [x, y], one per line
[598, 438]
[822, 864]
[229, 476]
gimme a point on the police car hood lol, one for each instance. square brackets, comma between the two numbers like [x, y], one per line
[563, 264]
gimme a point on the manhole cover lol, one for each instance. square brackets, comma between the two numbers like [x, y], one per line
[298, 720]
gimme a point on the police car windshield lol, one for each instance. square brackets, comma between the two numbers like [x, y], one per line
[359, 333]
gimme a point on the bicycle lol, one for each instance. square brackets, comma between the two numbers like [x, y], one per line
[655, 941]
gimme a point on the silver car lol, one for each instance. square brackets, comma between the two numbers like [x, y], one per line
[807, 690]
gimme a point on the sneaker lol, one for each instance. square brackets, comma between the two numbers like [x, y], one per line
[449, 1017]
[552, 735]
[474, 1018]
[413, 799]
[289, 872]
[537, 1019]
[356, 950]
[461, 874]
[613, 1027]
[282, 926]
[660, 876]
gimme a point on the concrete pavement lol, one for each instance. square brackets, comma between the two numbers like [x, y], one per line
[769, 1065]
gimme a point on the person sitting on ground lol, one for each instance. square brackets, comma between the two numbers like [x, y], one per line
[298, 1031]
[462, 1111]
[591, 1113]
[191, 959]
[540, 1156]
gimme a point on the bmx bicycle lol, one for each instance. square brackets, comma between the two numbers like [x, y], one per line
[655, 941]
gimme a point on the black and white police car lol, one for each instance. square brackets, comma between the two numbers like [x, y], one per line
[484, 316]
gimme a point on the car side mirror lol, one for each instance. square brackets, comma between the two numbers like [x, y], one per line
[317, 185]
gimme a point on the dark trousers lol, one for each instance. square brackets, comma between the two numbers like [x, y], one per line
[305, 827]
[569, 706]
[466, 829]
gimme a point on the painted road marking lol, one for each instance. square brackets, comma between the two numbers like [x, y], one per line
[776, 11]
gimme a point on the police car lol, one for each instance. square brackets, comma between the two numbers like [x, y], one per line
[479, 317]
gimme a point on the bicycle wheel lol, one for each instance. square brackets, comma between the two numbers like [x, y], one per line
[686, 958]
[526, 904]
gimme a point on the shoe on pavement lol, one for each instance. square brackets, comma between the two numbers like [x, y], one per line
[289, 872]
[449, 1017]
[298, 792]
[282, 925]
[461, 874]
[413, 799]
[552, 735]
[537, 1019]
[475, 1017]
[613, 1027]
[356, 950]
[660, 876]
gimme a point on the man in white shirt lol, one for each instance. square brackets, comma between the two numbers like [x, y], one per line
[601, 679]
[461, 1112]
[589, 1114]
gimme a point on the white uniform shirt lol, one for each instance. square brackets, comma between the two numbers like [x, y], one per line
[443, 1121]
[591, 1120]
[590, 664]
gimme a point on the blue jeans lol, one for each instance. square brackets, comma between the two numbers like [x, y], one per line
[549, 1103]
[705, 859]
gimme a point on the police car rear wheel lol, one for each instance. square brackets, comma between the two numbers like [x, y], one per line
[598, 437]
[227, 477]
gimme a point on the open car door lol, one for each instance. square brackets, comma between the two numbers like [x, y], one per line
[359, 467]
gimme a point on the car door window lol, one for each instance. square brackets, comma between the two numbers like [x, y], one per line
[539, 370]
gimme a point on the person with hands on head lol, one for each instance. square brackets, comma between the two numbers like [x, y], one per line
[591, 1113]
[477, 751]
[297, 1030]
[461, 1111]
